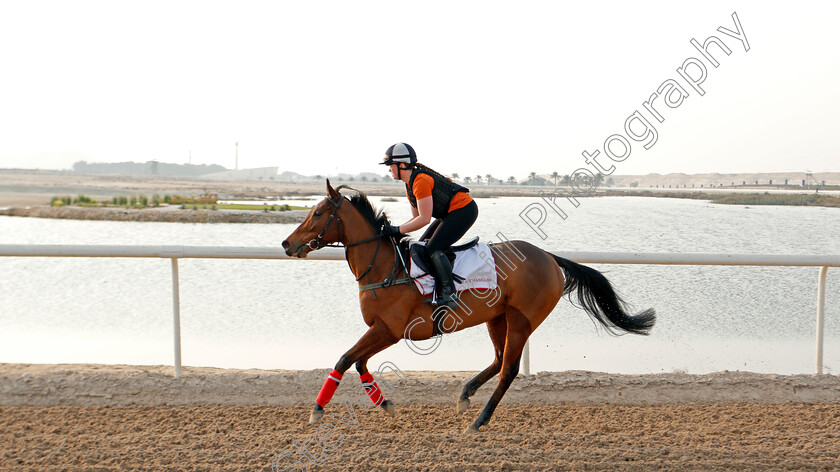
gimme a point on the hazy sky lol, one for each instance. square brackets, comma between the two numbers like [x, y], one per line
[476, 87]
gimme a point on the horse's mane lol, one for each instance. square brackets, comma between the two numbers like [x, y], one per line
[377, 217]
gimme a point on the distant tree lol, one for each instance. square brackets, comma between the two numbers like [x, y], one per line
[512, 180]
[566, 180]
[455, 176]
[318, 177]
[634, 184]
[364, 178]
[610, 182]
[478, 179]
[387, 177]
[489, 178]
[582, 180]
[467, 179]
[599, 179]
[533, 176]
[554, 175]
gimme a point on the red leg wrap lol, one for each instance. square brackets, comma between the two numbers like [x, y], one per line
[371, 388]
[328, 389]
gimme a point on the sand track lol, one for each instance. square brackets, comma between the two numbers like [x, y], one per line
[425, 437]
[125, 385]
[100, 417]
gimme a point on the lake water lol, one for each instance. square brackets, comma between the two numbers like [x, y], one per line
[279, 315]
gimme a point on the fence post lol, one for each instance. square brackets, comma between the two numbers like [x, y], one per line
[176, 317]
[821, 317]
[526, 358]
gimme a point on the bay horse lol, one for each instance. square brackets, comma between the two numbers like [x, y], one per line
[394, 309]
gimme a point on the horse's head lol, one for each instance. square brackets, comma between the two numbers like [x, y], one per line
[321, 226]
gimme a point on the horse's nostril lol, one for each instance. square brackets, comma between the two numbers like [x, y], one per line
[286, 244]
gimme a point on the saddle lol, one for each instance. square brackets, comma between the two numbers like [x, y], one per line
[420, 256]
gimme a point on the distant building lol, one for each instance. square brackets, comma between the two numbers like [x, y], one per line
[260, 173]
[145, 168]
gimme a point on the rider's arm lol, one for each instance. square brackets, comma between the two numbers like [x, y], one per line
[422, 216]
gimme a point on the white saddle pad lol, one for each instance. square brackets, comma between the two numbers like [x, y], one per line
[476, 265]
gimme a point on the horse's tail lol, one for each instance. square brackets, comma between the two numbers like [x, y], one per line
[596, 295]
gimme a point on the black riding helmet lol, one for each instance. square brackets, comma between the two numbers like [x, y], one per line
[400, 153]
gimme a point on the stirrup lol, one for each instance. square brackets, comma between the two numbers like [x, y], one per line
[451, 301]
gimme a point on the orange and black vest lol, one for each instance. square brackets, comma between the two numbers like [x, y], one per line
[442, 192]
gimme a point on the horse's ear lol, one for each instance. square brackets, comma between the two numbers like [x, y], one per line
[331, 191]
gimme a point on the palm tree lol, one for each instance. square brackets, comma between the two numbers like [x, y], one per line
[512, 180]
[566, 180]
[467, 179]
[599, 179]
[478, 179]
[489, 178]
[582, 180]
[555, 175]
[455, 176]
[533, 176]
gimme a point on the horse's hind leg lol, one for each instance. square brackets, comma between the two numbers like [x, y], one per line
[518, 330]
[498, 330]
[377, 338]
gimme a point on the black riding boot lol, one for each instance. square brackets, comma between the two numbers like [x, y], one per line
[446, 295]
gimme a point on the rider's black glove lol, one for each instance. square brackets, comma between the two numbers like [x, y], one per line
[390, 230]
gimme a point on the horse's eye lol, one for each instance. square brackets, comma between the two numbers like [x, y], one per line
[317, 213]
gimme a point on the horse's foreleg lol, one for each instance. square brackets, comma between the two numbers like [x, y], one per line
[518, 330]
[372, 388]
[497, 327]
[377, 338]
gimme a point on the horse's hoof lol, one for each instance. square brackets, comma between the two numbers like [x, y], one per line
[471, 430]
[463, 404]
[389, 408]
[316, 415]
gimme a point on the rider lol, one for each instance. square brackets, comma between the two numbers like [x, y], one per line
[432, 195]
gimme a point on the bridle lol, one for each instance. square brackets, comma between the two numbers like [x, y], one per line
[317, 243]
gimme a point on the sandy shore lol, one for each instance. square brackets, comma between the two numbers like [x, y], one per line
[28, 195]
[104, 417]
[31, 189]
[168, 214]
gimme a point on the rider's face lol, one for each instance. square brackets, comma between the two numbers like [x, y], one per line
[395, 173]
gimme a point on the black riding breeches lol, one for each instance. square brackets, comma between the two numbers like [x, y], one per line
[446, 231]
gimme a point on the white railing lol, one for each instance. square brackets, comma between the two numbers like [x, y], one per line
[208, 252]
